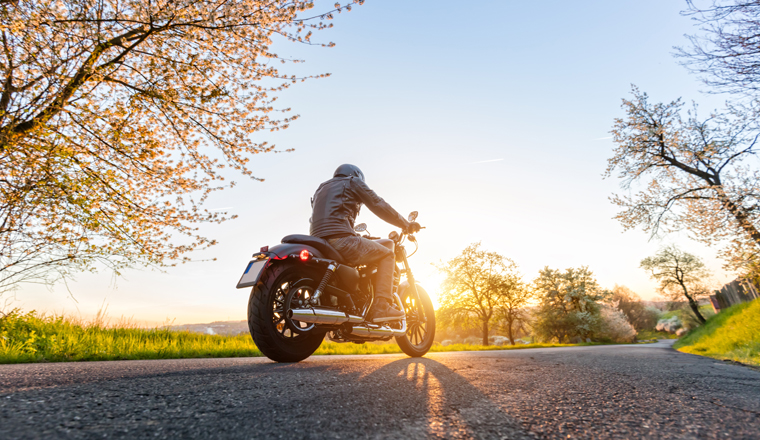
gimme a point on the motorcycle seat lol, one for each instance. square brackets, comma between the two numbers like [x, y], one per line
[318, 243]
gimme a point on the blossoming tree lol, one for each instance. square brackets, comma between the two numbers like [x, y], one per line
[118, 116]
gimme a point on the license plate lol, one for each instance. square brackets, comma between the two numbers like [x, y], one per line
[252, 272]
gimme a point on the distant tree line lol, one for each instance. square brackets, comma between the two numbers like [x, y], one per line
[484, 293]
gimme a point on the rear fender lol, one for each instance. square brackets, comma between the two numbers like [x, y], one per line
[285, 249]
[348, 277]
[273, 257]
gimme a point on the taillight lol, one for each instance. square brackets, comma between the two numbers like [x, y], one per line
[305, 255]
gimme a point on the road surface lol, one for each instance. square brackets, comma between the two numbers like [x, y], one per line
[625, 391]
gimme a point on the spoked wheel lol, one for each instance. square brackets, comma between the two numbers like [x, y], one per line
[420, 323]
[277, 336]
[298, 296]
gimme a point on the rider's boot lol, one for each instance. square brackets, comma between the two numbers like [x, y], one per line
[382, 311]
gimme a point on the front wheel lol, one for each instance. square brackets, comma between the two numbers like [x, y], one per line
[420, 322]
[278, 339]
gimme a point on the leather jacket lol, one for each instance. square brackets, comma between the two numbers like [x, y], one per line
[336, 204]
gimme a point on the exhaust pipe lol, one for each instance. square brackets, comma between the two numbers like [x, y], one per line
[317, 315]
[323, 316]
[376, 331]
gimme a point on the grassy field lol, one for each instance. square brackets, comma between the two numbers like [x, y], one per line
[653, 334]
[34, 337]
[733, 334]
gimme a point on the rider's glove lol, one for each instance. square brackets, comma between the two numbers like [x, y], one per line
[413, 227]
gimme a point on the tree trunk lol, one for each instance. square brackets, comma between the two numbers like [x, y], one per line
[509, 332]
[560, 338]
[693, 304]
[695, 307]
[485, 332]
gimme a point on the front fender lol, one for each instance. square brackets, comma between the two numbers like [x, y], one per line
[403, 286]
[421, 292]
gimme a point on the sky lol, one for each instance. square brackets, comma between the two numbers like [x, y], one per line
[492, 119]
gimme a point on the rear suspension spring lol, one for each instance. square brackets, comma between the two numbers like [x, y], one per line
[323, 284]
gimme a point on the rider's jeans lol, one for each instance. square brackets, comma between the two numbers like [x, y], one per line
[361, 251]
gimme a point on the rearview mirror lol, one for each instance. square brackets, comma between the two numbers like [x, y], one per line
[361, 227]
[413, 216]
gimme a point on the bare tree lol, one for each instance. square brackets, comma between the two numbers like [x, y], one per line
[680, 274]
[727, 53]
[116, 119]
[696, 174]
[476, 281]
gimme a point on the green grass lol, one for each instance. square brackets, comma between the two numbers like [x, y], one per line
[34, 337]
[349, 348]
[686, 315]
[733, 334]
[706, 310]
[653, 334]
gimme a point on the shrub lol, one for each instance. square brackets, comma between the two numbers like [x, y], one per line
[615, 326]
[629, 302]
[670, 325]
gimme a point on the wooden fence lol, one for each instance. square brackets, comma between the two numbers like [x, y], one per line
[736, 292]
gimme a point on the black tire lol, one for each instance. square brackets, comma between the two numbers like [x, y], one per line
[419, 335]
[275, 340]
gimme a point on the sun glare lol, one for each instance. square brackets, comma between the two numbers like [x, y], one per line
[432, 284]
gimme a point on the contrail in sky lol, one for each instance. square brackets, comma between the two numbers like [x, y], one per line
[486, 161]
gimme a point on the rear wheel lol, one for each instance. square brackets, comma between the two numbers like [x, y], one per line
[420, 322]
[267, 311]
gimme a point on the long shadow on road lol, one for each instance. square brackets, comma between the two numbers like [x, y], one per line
[425, 398]
[344, 398]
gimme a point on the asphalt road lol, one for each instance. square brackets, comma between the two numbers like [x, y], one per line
[639, 391]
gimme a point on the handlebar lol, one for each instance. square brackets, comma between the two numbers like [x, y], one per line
[407, 233]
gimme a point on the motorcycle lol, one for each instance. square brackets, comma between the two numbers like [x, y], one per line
[303, 291]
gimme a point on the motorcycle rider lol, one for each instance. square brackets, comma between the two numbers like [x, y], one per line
[335, 206]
